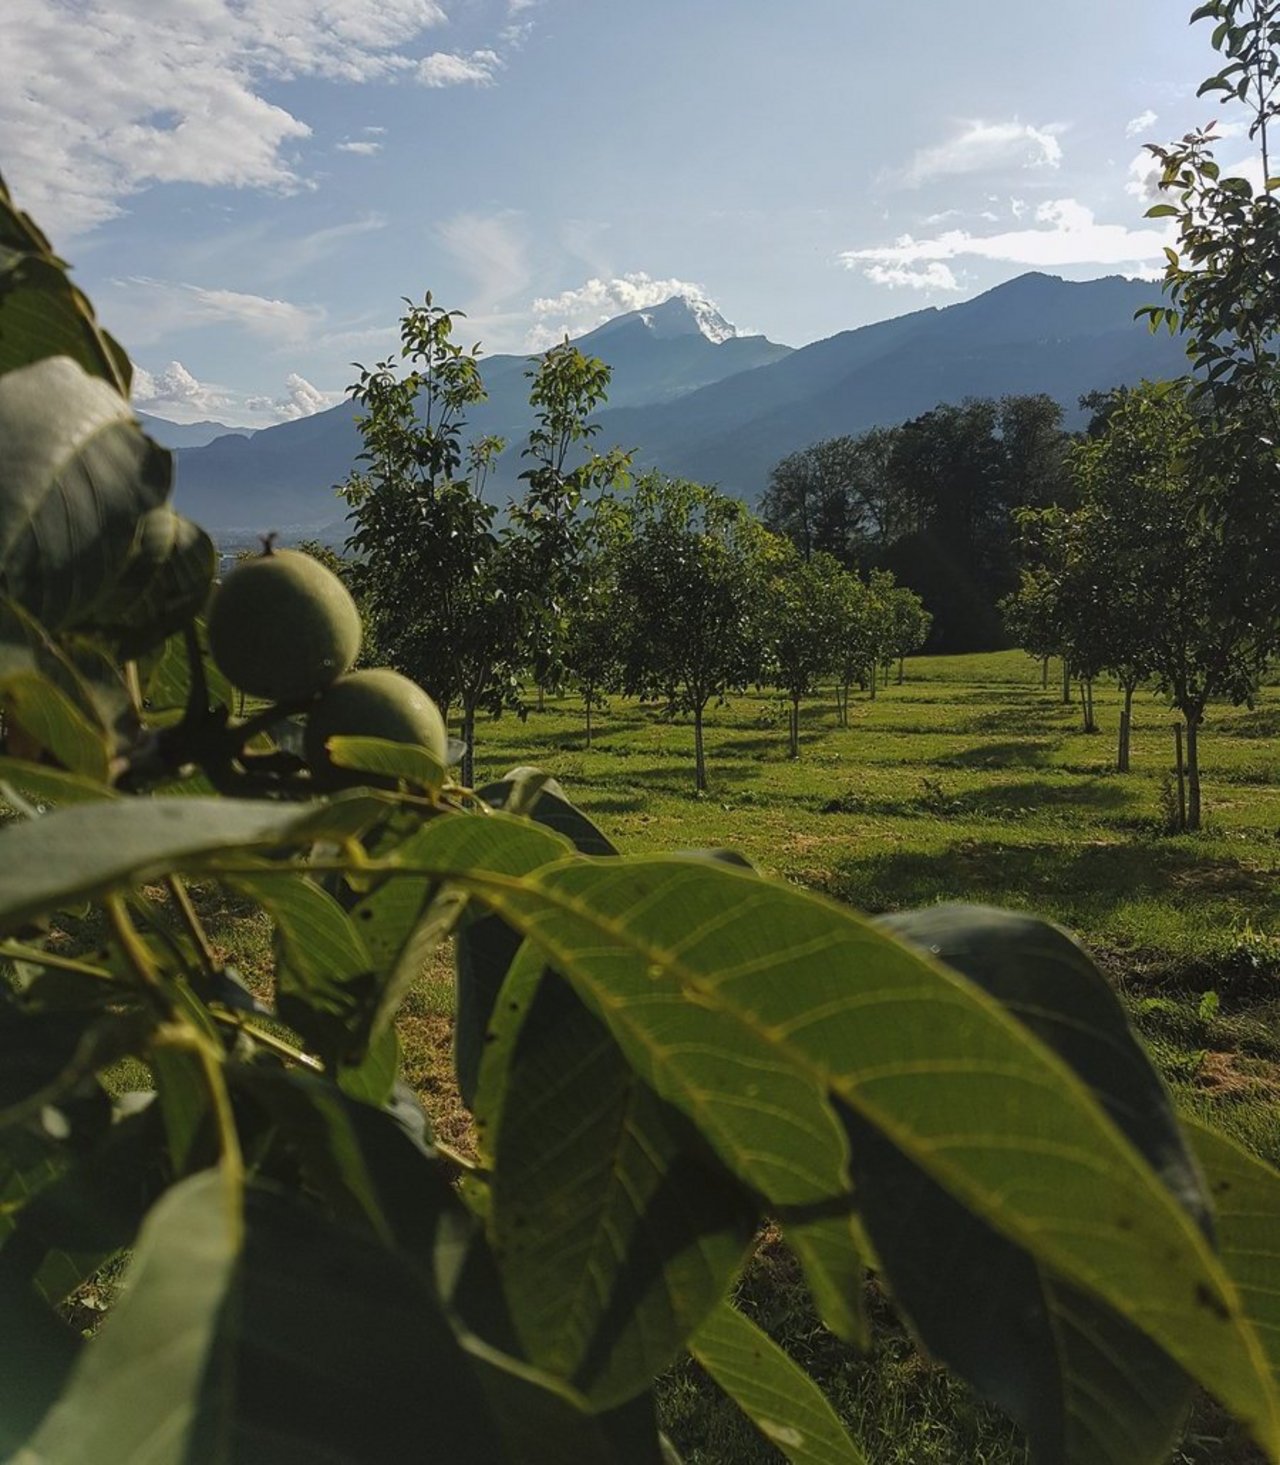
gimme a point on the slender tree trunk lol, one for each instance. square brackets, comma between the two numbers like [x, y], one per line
[469, 738]
[1066, 682]
[1044, 673]
[1193, 773]
[902, 669]
[1086, 704]
[795, 726]
[1182, 777]
[699, 753]
[874, 681]
[1126, 729]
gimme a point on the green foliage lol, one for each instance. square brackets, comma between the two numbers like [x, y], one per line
[1220, 286]
[665, 1053]
[1136, 581]
[800, 619]
[436, 583]
[691, 571]
[559, 558]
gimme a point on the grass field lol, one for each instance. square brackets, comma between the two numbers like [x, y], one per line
[969, 782]
[972, 783]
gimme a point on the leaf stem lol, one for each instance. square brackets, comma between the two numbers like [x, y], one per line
[191, 920]
[268, 1040]
[185, 1034]
[15, 951]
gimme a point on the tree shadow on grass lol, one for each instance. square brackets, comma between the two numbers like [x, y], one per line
[1029, 754]
[1005, 800]
[670, 777]
[1002, 801]
[1079, 884]
[609, 803]
[1030, 718]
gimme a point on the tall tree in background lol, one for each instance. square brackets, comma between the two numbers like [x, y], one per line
[930, 500]
[564, 484]
[436, 582]
[1034, 447]
[690, 579]
[809, 499]
[949, 468]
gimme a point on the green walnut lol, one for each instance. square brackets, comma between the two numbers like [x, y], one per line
[283, 627]
[378, 703]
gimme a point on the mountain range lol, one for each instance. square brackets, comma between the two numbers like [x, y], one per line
[187, 434]
[692, 396]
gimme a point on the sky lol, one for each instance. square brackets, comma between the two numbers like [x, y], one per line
[248, 188]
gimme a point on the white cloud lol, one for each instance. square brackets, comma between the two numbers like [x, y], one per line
[174, 393]
[933, 276]
[144, 311]
[1069, 234]
[118, 94]
[448, 68]
[301, 399]
[574, 312]
[363, 149]
[986, 147]
[1143, 122]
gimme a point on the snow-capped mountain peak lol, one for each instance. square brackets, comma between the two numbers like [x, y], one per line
[681, 315]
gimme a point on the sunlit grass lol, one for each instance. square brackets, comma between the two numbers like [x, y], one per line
[968, 783]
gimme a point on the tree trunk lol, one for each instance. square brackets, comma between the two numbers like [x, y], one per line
[1086, 704]
[469, 738]
[795, 727]
[699, 754]
[874, 681]
[1066, 682]
[1126, 727]
[902, 669]
[1193, 773]
[843, 695]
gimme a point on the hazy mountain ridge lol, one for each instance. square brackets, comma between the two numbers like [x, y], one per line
[726, 412]
[187, 434]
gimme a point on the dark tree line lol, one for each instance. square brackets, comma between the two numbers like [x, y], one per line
[931, 500]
